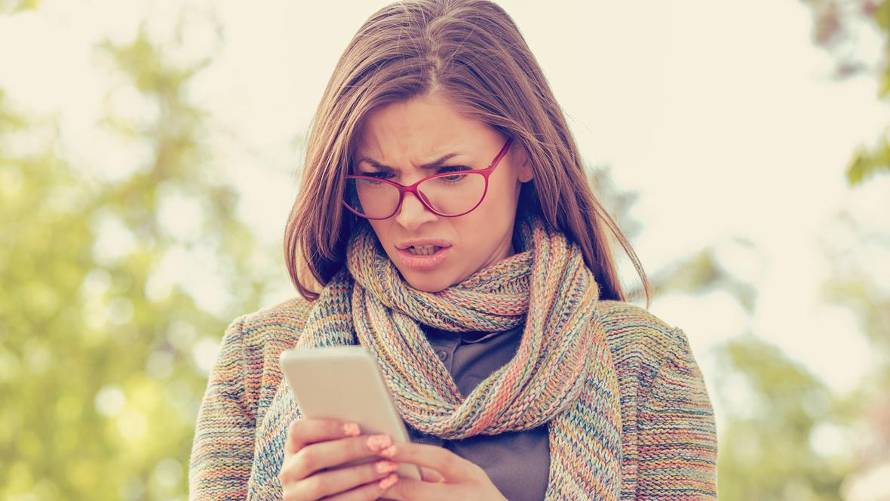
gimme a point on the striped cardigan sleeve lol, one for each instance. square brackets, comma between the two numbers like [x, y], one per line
[222, 450]
[677, 431]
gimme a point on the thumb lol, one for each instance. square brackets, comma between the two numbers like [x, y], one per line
[430, 475]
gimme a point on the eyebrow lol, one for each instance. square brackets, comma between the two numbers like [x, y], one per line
[431, 165]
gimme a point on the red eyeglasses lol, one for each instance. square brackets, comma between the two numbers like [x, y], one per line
[448, 194]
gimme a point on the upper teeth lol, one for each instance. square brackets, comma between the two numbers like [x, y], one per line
[425, 249]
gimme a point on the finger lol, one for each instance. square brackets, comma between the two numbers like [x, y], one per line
[342, 480]
[430, 475]
[407, 489]
[302, 432]
[452, 467]
[372, 490]
[331, 453]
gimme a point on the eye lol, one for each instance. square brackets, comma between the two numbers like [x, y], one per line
[378, 175]
[454, 178]
[450, 168]
[440, 170]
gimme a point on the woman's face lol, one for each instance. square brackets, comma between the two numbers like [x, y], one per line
[407, 134]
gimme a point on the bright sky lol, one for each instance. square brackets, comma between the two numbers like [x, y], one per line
[719, 114]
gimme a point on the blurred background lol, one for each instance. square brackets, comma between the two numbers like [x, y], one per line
[150, 152]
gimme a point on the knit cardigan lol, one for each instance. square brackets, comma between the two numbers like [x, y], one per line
[669, 436]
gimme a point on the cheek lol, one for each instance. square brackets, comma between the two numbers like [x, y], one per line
[499, 204]
[386, 235]
[381, 229]
[493, 216]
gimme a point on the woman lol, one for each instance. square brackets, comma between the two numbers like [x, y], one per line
[448, 227]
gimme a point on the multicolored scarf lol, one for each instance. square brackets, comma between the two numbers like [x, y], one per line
[562, 372]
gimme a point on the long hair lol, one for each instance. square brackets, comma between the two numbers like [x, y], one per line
[472, 52]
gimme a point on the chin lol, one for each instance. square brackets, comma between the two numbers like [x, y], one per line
[427, 282]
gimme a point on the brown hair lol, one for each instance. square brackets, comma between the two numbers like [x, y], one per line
[472, 51]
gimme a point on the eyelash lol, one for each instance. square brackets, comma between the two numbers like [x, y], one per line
[378, 175]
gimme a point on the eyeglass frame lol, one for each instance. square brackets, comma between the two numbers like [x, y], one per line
[486, 172]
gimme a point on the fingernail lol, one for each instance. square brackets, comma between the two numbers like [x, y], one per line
[387, 482]
[389, 451]
[385, 466]
[377, 442]
[351, 429]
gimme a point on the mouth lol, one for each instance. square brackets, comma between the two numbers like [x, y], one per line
[423, 250]
[423, 258]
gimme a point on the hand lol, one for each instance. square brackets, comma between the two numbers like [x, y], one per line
[445, 475]
[316, 447]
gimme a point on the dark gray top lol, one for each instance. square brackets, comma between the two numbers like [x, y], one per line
[517, 462]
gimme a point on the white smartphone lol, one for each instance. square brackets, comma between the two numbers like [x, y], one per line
[343, 382]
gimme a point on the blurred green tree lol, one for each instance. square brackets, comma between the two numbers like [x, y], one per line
[769, 450]
[103, 358]
[775, 408]
[838, 26]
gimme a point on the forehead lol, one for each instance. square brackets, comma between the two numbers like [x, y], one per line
[417, 130]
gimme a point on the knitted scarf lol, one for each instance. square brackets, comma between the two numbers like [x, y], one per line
[561, 374]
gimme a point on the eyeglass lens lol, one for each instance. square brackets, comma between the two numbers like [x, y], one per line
[448, 195]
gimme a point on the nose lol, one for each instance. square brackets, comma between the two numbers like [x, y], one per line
[413, 213]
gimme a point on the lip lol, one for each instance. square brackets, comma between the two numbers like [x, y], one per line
[423, 263]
